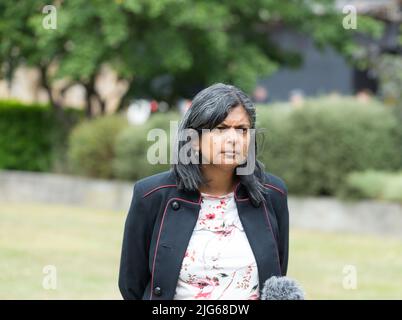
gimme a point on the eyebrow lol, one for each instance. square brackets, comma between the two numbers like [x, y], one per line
[242, 125]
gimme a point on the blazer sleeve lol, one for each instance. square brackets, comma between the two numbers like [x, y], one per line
[134, 273]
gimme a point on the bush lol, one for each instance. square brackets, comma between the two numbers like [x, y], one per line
[315, 147]
[32, 136]
[132, 146]
[374, 185]
[109, 147]
[92, 144]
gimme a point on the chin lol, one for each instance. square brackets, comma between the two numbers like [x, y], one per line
[227, 166]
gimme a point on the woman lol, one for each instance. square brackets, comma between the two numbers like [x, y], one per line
[213, 228]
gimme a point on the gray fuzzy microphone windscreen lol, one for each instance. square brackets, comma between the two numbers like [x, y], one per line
[281, 288]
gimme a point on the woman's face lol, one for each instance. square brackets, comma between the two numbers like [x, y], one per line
[227, 145]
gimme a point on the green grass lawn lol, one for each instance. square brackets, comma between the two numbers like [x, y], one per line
[84, 245]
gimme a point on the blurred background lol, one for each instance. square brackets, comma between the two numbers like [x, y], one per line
[83, 82]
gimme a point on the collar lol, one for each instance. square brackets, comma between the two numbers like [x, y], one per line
[194, 196]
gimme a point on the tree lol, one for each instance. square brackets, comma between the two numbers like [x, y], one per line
[164, 48]
[18, 44]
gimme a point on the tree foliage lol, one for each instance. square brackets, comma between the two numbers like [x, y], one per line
[164, 48]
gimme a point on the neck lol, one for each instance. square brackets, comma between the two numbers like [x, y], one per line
[221, 181]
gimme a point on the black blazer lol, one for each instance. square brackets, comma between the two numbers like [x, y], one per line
[161, 220]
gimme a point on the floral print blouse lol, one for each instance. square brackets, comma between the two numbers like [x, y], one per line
[219, 262]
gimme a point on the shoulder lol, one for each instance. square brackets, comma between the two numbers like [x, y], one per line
[275, 183]
[154, 182]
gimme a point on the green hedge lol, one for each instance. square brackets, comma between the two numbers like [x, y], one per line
[315, 147]
[109, 147]
[374, 185]
[132, 146]
[32, 138]
[91, 146]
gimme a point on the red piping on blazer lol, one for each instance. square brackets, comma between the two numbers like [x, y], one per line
[275, 188]
[157, 188]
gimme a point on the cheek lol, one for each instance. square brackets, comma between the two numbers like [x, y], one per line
[242, 143]
[217, 145]
[211, 146]
[206, 146]
[246, 142]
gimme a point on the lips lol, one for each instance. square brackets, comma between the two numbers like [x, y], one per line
[230, 152]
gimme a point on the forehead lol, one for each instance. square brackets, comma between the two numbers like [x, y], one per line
[237, 116]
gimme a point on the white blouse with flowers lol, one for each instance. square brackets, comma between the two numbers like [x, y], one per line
[219, 262]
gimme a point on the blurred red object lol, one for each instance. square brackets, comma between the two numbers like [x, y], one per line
[154, 106]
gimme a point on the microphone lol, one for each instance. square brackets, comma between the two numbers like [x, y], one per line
[281, 288]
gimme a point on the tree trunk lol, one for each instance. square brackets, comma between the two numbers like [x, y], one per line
[45, 84]
[59, 112]
[102, 102]
[88, 104]
[89, 93]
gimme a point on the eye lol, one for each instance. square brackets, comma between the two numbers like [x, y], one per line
[221, 129]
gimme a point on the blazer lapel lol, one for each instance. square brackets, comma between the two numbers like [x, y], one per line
[257, 225]
[177, 227]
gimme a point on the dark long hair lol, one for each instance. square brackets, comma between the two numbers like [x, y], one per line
[209, 108]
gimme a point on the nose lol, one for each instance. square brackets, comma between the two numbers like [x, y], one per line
[231, 135]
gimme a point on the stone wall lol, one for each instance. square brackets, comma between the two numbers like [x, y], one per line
[325, 214]
[27, 187]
